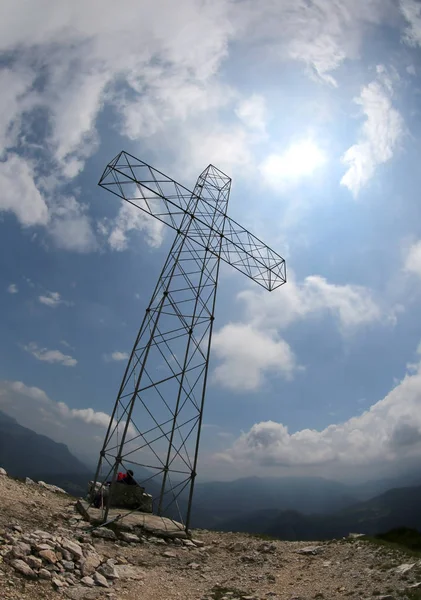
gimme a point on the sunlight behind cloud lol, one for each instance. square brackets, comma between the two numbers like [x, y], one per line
[300, 160]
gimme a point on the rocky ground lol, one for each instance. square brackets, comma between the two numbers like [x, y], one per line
[46, 552]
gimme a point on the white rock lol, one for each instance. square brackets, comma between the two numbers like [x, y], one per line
[29, 481]
[170, 554]
[129, 572]
[404, 568]
[88, 581]
[310, 550]
[42, 534]
[198, 543]
[3, 471]
[100, 580]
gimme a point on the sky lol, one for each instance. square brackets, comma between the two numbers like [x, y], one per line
[312, 108]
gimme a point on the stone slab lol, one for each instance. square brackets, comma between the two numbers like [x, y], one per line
[136, 521]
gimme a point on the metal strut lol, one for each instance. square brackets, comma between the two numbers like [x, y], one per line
[156, 421]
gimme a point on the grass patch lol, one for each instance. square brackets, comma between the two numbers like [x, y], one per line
[218, 593]
[401, 539]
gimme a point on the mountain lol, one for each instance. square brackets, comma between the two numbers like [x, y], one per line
[216, 502]
[24, 453]
[395, 508]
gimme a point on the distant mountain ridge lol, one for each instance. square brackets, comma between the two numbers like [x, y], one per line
[24, 453]
[291, 508]
[395, 508]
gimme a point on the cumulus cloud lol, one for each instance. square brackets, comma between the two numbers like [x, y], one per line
[379, 136]
[52, 299]
[50, 356]
[351, 305]
[246, 355]
[130, 219]
[413, 259]
[71, 227]
[116, 356]
[19, 193]
[12, 288]
[253, 348]
[390, 431]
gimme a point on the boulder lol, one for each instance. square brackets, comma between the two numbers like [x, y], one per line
[132, 497]
[3, 472]
[104, 533]
[21, 567]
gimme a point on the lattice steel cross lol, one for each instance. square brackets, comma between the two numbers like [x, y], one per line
[156, 422]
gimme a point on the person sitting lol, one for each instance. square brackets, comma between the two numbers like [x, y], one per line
[129, 479]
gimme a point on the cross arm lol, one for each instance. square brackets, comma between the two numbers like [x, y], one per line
[167, 200]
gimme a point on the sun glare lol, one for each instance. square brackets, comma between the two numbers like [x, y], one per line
[299, 160]
[303, 158]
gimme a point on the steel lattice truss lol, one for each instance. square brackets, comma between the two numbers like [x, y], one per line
[155, 425]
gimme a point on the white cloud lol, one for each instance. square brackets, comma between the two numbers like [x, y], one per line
[411, 10]
[351, 305]
[70, 227]
[251, 349]
[19, 193]
[52, 299]
[246, 355]
[140, 62]
[379, 137]
[50, 356]
[319, 33]
[116, 356]
[413, 259]
[13, 288]
[13, 85]
[300, 160]
[131, 219]
[390, 431]
[252, 111]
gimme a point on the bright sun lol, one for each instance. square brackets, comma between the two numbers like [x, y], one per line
[303, 158]
[299, 160]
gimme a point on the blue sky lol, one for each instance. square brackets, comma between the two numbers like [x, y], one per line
[313, 109]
